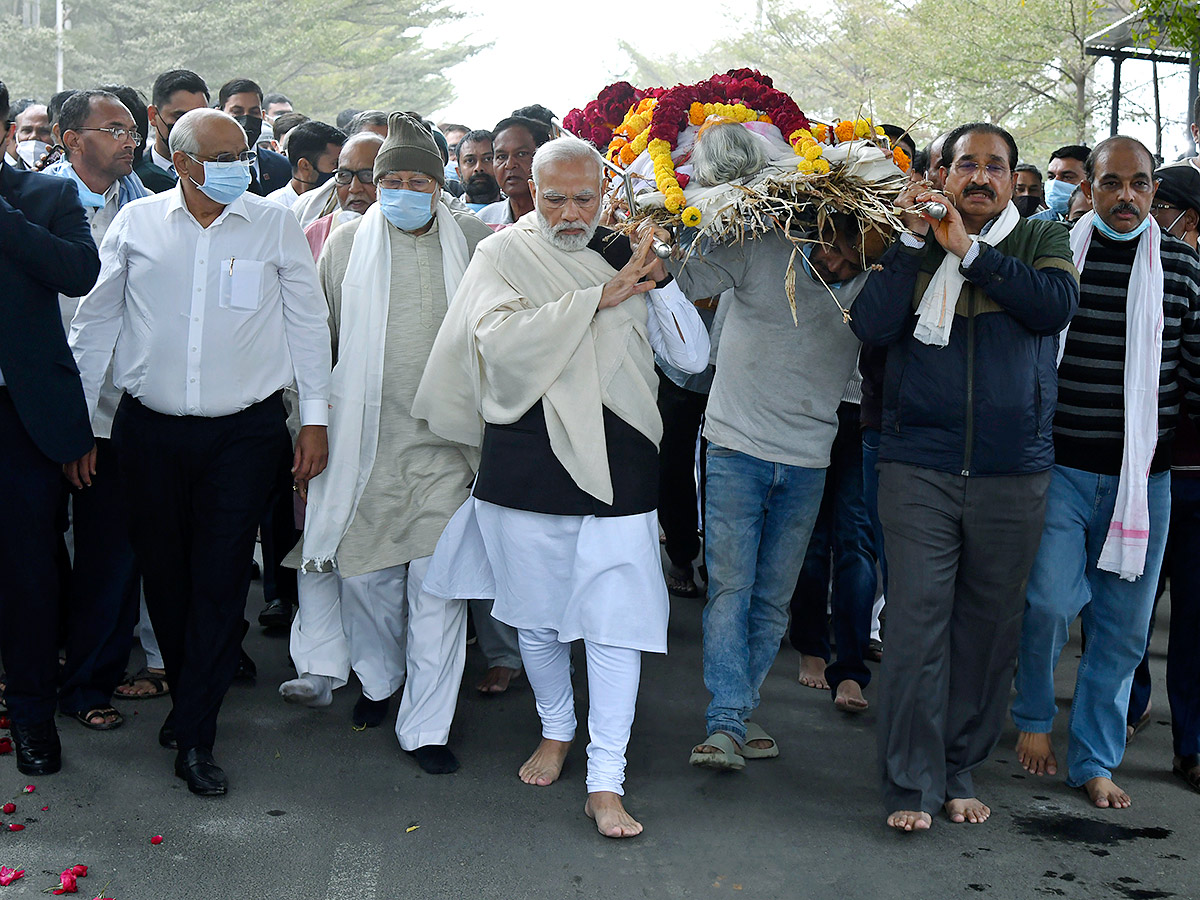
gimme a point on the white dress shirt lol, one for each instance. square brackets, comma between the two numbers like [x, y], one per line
[205, 321]
[286, 195]
[162, 162]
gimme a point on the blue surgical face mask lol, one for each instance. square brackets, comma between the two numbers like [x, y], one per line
[87, 196]
[224, 182]
[407, 210]
[805, 253]
[1102, 227]
[1058, 195]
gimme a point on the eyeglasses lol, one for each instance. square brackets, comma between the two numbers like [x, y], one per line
[246, 156]
[119, 133]
[1163, 207]
[418, 183]
[345, 176]
[555, 200]
[969, 168]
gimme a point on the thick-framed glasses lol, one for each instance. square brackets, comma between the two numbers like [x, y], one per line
[969, 168]
[246, 156]
[119, 133]
[418, 183]
[345, 176]
[555, 200]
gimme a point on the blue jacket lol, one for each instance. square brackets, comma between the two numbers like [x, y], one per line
[983, 404]
[46, 249]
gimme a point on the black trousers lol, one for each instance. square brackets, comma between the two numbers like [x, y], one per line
[682, 412]
[279, 536]
[197, 489]
[31, 490]
[102, 604]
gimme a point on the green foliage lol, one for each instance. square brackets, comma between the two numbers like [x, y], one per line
[928, 64]
[1175, 22]
[324, 54]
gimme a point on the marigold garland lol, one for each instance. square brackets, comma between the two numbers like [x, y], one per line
[691, 217]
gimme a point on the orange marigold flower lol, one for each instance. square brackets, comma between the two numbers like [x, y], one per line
[696, 114]
[844, 131]
[819, 131]
[901, 159]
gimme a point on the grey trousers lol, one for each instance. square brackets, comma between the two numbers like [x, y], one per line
[497, 640]
[959, 553]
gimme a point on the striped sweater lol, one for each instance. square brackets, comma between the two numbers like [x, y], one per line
[1089, 423]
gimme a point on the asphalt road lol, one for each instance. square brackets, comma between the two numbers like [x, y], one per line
[317, 811]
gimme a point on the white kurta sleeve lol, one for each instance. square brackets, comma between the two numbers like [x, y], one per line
[677, 333]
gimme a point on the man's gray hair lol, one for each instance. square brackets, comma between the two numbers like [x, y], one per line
[565, 150]
[183, 132]
[726, 152]
[367, 117]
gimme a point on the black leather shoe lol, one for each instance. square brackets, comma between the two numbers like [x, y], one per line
[276, 614]
[202, 774]
[246, 670]
[166, 735]
[38, 749]
[369, 713]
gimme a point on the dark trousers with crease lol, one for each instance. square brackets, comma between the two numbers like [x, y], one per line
[197, 490]
[682, 413]
[31, 490]
[279, 536]
[960, 550]
[102, 604]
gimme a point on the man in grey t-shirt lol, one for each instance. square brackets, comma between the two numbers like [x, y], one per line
[770, 423]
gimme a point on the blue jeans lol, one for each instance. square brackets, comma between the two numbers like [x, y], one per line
[870, 460]
[1065, 583]
[842, 539]
[759, 516]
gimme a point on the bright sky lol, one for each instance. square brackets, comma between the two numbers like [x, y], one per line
[560, 53]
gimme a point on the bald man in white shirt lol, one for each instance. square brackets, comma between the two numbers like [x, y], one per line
[208, 306]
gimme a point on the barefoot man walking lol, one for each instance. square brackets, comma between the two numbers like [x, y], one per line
[545, 361]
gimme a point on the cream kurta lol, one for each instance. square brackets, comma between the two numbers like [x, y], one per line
[418, 479]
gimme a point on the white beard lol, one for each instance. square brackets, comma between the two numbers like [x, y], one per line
[568, 242]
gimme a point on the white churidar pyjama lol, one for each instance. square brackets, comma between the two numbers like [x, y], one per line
[613, 674]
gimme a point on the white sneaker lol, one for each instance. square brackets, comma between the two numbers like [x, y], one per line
[309, 690]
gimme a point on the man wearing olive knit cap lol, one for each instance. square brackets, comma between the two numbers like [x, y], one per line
[392, 485]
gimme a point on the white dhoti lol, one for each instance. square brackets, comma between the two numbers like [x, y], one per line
[557, 579]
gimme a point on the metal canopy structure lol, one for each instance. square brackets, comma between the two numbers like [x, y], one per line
[1127, 38]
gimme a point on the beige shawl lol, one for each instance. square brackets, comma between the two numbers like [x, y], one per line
[523, 327]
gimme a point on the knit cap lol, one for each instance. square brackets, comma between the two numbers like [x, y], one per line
[409, 147]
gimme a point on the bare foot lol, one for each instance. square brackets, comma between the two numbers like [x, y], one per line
[608, 812]
[1035, 754]
[812, 672]
[496, 680]
[909, 820]
[1105, 794]
[849, 697]
[545, 765]
[967, 810]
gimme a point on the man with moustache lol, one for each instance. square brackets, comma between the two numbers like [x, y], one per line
[474, 156]
[516, 140]
[1127, 366]
[965, 451]
[355, 187]
[546, 362]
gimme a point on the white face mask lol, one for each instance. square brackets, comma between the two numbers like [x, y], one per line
[31, 151]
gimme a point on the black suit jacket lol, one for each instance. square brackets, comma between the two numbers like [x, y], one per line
[46, 249]
[274, 171]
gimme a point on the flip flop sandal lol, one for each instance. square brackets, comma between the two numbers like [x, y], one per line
[1188, 768]
[755, 733]
[1138, 726]
[158, 682]
[726, 757]
[682, 586]
[85, 718]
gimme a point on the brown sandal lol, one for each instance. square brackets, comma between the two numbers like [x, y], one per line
[158, 682]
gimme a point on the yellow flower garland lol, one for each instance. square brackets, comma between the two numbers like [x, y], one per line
[664, 174]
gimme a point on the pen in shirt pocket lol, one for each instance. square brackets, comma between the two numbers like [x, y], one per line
[231, 267]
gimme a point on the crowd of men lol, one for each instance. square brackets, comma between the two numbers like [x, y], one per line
[412, 363]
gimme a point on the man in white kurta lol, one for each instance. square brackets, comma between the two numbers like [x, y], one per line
[393, 484]
[545, 362]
